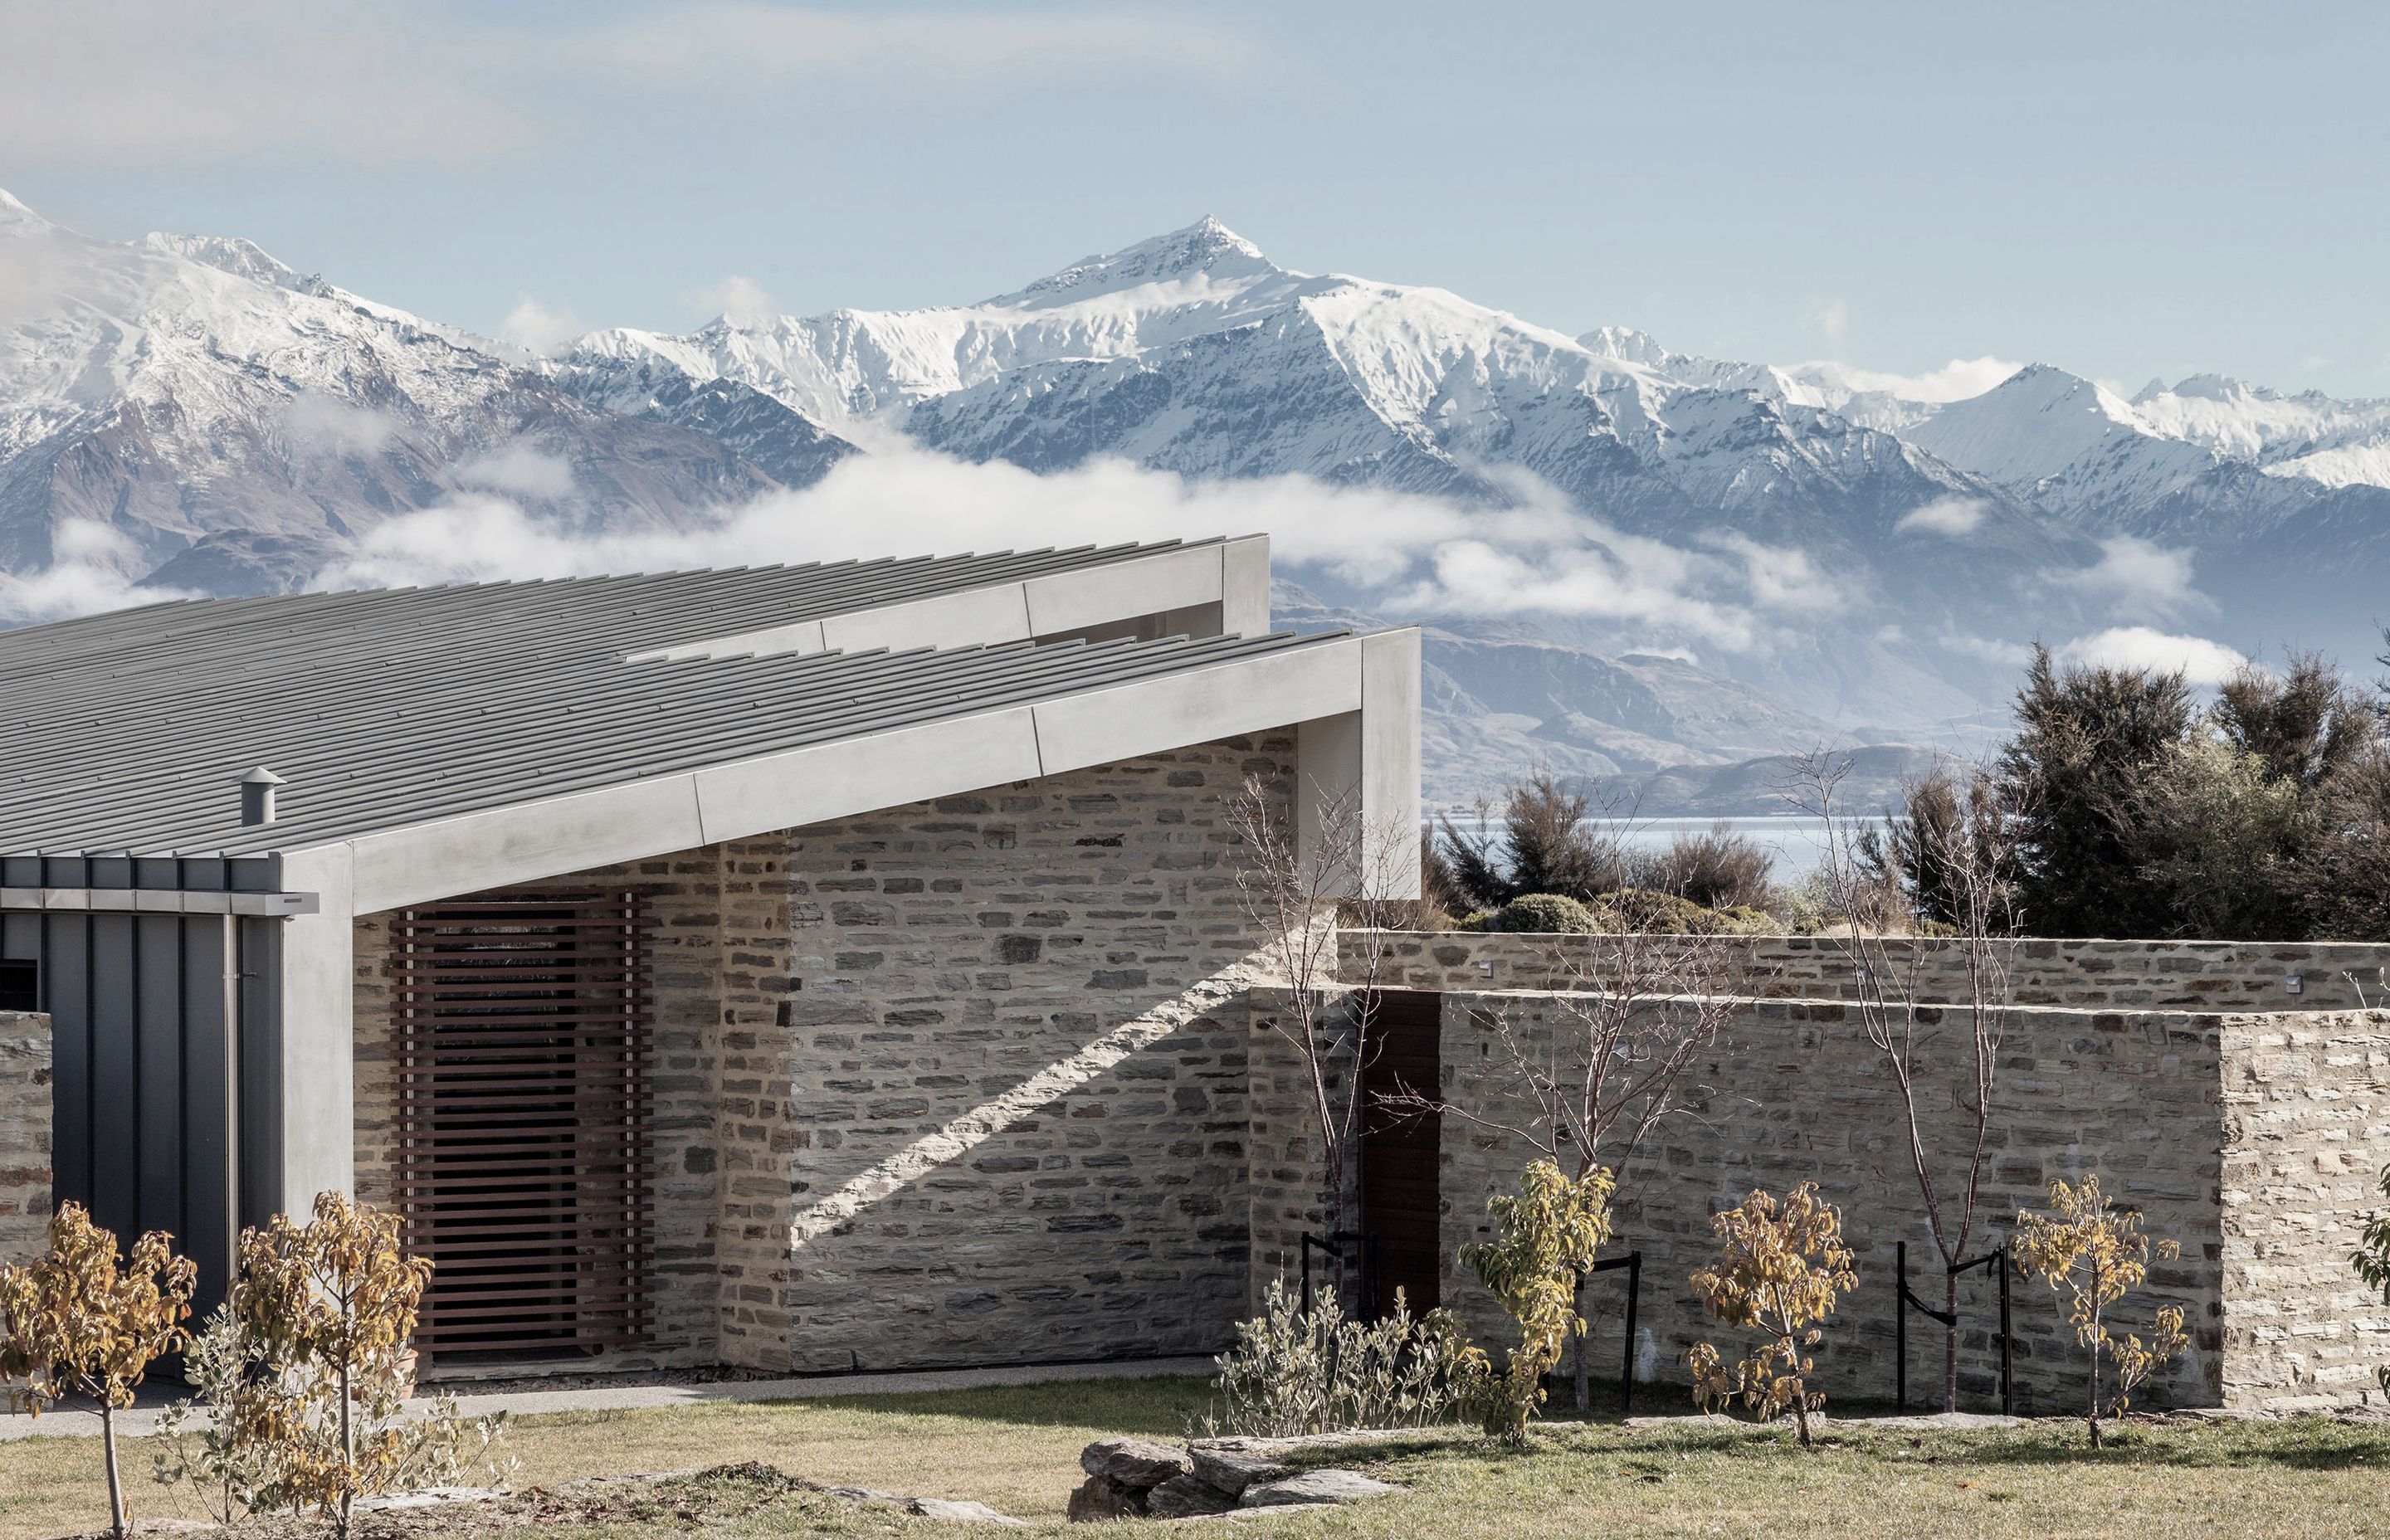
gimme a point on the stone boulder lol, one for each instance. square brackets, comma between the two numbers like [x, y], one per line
[1187, 1497]
[1316, 1486]
[1135, 1462]
[1232, 1470]
[1100, 1497]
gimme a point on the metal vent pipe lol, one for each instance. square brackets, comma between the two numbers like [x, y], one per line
[257, 796]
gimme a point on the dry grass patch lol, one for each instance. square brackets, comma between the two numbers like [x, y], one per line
[1017, 1449]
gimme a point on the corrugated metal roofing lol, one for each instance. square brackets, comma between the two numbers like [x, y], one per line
[124, 733]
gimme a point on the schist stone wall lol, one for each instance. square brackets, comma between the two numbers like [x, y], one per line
[961, 1082]
[24, 1134]
[2145, 975]
[2252, 1138]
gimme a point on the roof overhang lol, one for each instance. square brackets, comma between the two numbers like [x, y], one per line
[1367, 687]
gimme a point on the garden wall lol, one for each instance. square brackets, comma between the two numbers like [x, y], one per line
[2144, 975]
[2249, 1137]
[24, 1133]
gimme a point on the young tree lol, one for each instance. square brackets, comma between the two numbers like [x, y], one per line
[1580, 1077]
[323, 1313]
[84, 1320]
[1292, 887]
[1544, 1236]
[1780, 1268]
[1969, 866]
[2095, 1256]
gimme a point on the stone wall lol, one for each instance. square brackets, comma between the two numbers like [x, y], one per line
[719, 952]
[1286, 1165]
[2252, 1138]
[24, 1134]
[2140, 975]
[2306, 1103]
[962, 1082]
[1017, 1119]
[1793, 1092]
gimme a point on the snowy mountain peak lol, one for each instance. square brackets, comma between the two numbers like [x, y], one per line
[2221, 386]
[242, 259]
[1206, 249]
[14, 212]
[1624, 343]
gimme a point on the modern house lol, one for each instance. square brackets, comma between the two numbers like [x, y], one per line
[806, 967]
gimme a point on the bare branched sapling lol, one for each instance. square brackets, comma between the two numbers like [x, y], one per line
[1296, 877]
[1959, 845]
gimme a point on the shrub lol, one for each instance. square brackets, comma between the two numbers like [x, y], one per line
[1547, 844]
[1545, 913]
[83, 1321]
[1641, 911]
[1297, 1370]
[2094, 1256]
[2223, 840]
[1780, 1268]
[305, 1370]
[1717, 870]
[1544, 1236]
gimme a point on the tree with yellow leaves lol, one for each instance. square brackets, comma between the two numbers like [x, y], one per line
[1545, 1236]
[2094, 1255]
[1780, 1267]
[83, 1321]
[322, 1313]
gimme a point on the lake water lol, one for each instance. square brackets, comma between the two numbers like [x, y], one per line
[1797, 843]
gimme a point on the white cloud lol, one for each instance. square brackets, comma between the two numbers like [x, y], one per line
[321, 422]
[2138, 646]
[1957, 380]
[391, 82]
[1533, 556]
[1831, 317]
[729, 45]
[741, 299]
[541, 327]
[520, 470]
[1990, 648]
[1778, 577]
[91, 569]
[1954, 518]
[2141, 579]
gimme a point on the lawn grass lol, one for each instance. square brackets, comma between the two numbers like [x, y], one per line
[1017, 1448]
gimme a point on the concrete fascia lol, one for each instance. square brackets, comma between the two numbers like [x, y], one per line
[174, 901]
[1053, 605]
[1245, 586]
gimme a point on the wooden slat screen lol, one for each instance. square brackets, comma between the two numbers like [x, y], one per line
[524, 1124]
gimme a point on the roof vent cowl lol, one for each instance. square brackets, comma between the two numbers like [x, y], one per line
[257, 796]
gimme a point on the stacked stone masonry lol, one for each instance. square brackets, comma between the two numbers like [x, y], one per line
[24, 1133]
[961, 1082]
[2142, 975]
[2256, 1137]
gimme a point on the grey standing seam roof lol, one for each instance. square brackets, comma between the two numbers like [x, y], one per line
[124, 733]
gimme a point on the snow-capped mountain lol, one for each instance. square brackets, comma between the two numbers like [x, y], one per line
[1859, 555]
[235, 422]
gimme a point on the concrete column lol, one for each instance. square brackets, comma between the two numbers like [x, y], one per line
[316, 1054]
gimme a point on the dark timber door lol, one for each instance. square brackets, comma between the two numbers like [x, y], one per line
[1402, 1206]
[525, 1119]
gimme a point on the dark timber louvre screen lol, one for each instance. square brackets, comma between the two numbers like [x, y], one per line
[524, 1119]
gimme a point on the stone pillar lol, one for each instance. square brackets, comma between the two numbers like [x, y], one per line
[24, 1133]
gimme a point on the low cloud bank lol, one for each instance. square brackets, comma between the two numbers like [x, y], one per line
[1530, 553]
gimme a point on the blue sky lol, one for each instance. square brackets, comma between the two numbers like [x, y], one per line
[2125, 190]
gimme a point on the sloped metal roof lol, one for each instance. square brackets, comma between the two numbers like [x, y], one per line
[124, 733]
